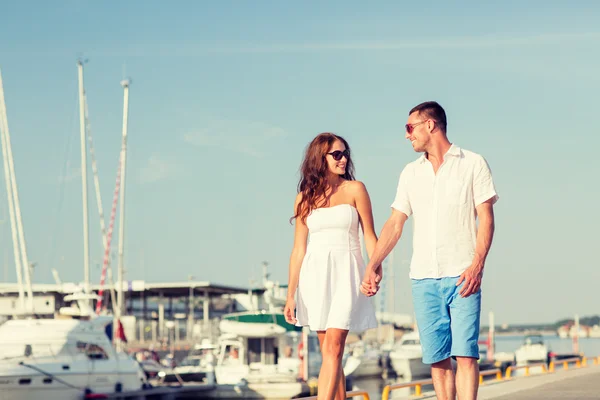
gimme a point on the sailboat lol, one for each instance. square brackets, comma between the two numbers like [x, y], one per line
[71, 356]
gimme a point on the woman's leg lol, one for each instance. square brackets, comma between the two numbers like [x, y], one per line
[341, 388]
[332, 383]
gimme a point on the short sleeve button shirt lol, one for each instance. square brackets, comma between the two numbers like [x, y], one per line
[443, 208]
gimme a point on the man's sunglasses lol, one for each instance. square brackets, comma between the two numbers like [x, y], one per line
[411, 127]
[338, 154]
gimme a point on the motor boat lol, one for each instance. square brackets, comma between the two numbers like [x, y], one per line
[63, 359]
[407, 357]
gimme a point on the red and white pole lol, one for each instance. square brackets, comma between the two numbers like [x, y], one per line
[111, 225]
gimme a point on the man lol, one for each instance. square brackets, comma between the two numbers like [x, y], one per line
[446, 189]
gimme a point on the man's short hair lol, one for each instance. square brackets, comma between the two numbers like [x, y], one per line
[432, 110]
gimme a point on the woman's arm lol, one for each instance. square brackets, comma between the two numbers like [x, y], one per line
[298, 252]
[365, 214]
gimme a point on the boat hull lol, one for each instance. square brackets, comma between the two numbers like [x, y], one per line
[358, 367]
[410, 367]
[63, 386]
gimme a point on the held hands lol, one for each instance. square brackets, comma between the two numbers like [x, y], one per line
[370, 284]
[471, 278]
[289, 311]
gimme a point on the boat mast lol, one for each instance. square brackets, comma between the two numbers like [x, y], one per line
[3, 127]
[125, 83]
[15, 209]
[105, 241]
[84, 189]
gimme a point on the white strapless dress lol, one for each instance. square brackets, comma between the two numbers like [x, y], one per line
[332, 270]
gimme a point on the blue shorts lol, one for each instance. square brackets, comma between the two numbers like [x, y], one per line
[448, 323]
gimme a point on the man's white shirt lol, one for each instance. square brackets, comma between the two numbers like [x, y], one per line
[443, 210]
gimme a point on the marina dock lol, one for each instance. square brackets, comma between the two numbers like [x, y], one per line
[580, 384]
[577, 381]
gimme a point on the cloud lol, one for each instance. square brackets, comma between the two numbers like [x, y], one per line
[439, 43]
[458, 42]
[182, 49]
[158, 169]
[245, 137]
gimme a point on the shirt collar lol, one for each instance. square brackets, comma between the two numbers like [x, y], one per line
[454, 150]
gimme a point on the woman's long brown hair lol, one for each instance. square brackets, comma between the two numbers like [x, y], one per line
[314, 169]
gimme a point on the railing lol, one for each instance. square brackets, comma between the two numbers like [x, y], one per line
[527, 367]
[354, 393]
[577, 361]
[495, 371]
[418, 385]
[565, 363]
[595, 361]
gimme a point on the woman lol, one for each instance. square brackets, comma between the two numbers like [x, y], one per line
[328, 271]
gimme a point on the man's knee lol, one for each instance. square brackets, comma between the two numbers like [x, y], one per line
[466, 362]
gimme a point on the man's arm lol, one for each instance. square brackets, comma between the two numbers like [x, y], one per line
[485, 234]
[390, 234]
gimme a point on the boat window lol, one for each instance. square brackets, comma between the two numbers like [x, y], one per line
[93, 351]
[262, 350]
[270, 351]
[231, 354]
[96, 352]
[254, 350]
[289, 345]
[534, 340]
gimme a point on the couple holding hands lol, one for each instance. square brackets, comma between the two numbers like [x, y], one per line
[445, 190]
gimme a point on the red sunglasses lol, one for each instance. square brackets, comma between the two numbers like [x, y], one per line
[411, 127]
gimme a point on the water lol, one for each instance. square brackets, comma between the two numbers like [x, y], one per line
[590, 347]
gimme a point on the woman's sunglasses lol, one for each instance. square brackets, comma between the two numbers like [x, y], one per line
[338, 154]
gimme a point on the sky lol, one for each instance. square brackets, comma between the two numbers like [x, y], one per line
[226, 95]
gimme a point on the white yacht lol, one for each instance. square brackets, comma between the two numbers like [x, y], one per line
[63, 359]
[407, 357]
[249, 355]
[190, 369]
[532, 351]
[197, 366]
[594, 331]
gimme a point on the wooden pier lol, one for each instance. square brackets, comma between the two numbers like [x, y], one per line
[568, 379]
[580, 384]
